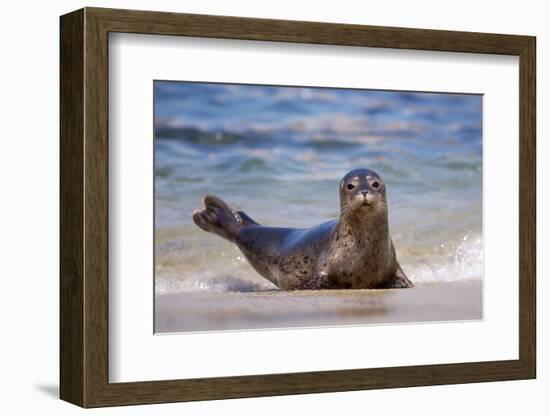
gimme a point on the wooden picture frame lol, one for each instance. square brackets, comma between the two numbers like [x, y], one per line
[84, 207]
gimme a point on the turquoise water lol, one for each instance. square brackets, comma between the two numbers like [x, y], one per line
[278, 153]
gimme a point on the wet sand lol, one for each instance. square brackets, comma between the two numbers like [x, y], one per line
[215, 311]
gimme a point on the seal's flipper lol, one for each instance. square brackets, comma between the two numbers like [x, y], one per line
[246, 220]
[399, 281]
[218, 218]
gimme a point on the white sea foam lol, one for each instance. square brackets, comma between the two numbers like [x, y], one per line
[464, 261]
[211, 283]
[453, 262]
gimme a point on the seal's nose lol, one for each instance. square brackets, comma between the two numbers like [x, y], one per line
[365, 193]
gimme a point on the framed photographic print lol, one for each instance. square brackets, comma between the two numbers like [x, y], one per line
[255, 207]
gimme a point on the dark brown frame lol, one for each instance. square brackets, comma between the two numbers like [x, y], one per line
[84, 207]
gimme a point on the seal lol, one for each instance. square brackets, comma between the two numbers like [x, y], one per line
[353, 252]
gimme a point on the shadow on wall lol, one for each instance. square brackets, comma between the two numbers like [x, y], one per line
[49, 390]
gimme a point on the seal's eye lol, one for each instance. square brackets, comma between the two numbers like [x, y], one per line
[375, 185]
[350, 186]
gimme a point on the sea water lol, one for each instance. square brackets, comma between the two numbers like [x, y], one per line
[278, 153]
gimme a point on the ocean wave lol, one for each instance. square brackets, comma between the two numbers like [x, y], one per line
[211, 283]
[197, 136]
[463, 262]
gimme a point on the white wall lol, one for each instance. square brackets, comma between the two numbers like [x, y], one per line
[29, 207]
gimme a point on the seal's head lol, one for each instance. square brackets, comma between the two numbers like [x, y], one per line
[363, 193]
